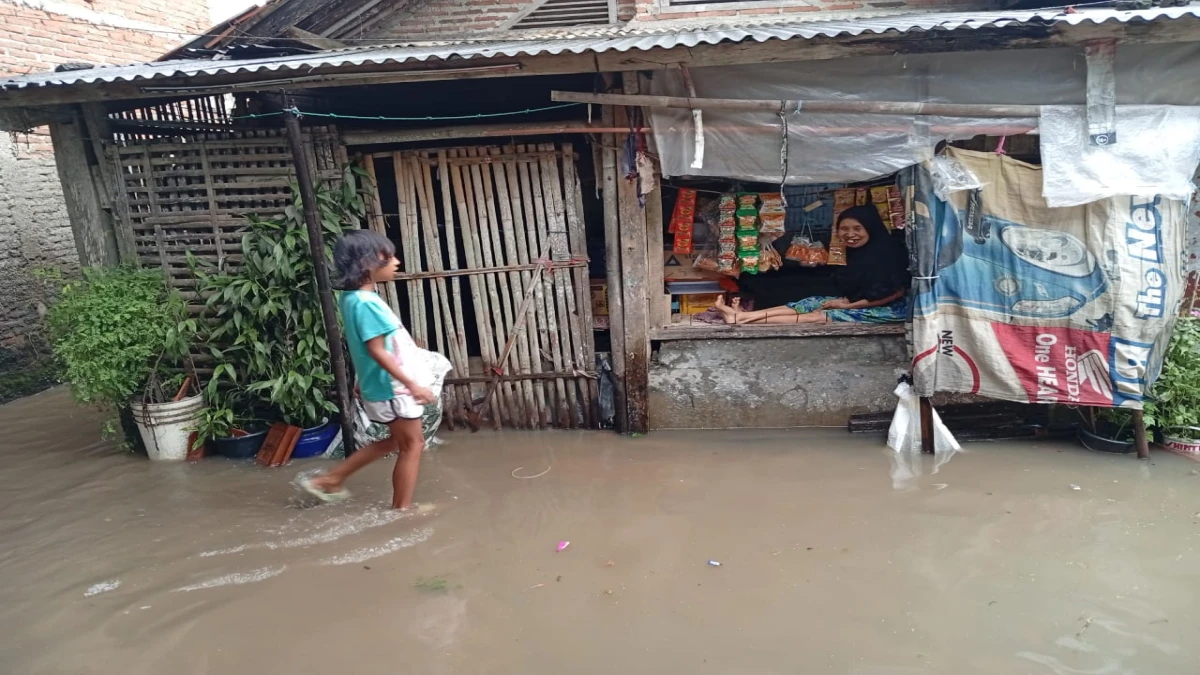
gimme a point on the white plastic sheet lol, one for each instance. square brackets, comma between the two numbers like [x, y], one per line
[1156, 153]
[843, 148]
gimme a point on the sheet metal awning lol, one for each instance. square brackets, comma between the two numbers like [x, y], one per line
[618, 39]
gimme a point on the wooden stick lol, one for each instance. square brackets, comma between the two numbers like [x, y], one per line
[383, 136]
[782, 106]
[927, 444]
[1141, 440]
[523, 267]
[512, 339]
[316, 241]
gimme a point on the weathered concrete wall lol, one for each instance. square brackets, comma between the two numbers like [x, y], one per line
[715, 384]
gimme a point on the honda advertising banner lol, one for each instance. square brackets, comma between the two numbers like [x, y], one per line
[1017, 301]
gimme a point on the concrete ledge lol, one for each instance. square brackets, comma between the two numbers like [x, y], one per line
[772, 382]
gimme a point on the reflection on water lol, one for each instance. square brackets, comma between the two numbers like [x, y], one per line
[112, 564]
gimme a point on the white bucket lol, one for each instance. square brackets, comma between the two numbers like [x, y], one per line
[165, 427]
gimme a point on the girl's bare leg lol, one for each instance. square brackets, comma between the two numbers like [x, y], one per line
[411, 442]
[769, 315]
[331, 481]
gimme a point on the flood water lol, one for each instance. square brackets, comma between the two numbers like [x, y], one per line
[997, 564]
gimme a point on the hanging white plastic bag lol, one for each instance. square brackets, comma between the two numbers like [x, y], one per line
[904, 438]
[950, 175]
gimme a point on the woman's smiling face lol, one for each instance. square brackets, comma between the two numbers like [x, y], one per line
[852, 233]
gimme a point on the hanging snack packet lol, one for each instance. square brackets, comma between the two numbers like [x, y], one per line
[772, 223]
[837, 250]
[685, 210]
[771, 202]
[797, 249]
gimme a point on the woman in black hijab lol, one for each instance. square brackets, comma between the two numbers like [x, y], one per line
[871, 283]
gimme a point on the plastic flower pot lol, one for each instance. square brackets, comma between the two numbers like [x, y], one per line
[243, 446]
[314, 441]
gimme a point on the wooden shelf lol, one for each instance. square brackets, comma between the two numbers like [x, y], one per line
[715, 332]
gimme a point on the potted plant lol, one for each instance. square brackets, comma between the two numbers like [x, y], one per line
[268, 338]
[1174, 405]
[1110, 430]
[123, 336]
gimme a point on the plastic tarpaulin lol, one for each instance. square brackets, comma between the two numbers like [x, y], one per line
[1021, 302]
[843, 148]
[1156, 153]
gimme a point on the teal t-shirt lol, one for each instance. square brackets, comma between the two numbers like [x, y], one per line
[366, 316]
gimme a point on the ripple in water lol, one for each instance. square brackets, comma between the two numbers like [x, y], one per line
[235, 579]
[102, 587]
[391, 546]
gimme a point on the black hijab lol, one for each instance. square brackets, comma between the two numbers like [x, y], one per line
[876, 269]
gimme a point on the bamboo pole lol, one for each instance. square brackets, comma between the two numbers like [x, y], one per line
[443, 325]
[784, 106]
[463, 199]
[316, 242]
[462, 363]
[552, 328]
[520, 328]
[546, 399]
[607, 173]
[579, 302]
[564, 291]
[502, 301]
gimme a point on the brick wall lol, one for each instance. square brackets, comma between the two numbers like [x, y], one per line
[444, 18]
[36, 35]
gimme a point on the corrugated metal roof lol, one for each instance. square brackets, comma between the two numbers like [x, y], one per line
[617, 38]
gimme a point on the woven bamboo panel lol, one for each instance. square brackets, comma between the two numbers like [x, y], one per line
[190, 194]
[492, 243]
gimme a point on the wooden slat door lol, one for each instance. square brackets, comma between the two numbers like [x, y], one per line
[511, 254]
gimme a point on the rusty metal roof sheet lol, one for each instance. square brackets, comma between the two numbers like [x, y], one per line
[593, 40]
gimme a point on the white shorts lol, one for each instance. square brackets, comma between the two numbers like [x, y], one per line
[400, 408]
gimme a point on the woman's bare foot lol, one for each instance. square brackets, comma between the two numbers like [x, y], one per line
[729, 314]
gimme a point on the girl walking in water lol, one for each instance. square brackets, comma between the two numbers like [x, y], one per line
[394, 374]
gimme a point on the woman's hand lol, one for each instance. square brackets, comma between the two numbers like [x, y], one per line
[836, 303]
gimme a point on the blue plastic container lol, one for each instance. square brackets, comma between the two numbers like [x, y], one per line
[238, 447]
[315, 441]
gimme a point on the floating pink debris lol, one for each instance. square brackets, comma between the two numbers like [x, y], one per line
[562, 545]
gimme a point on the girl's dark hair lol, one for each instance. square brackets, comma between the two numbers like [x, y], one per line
[356, 254]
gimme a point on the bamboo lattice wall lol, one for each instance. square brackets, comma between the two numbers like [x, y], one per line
[190, 194]
[497, 235]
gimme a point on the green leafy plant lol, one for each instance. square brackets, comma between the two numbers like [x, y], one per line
[267, 337]
[1174, 404]
[121, 333]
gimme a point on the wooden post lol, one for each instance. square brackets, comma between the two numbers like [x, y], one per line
[612, 263]
[1139, 435]
[316, 243]
[94, 237]
[927, 446]
[634, 277]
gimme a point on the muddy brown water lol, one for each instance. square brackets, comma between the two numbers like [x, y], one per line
[112, 564]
